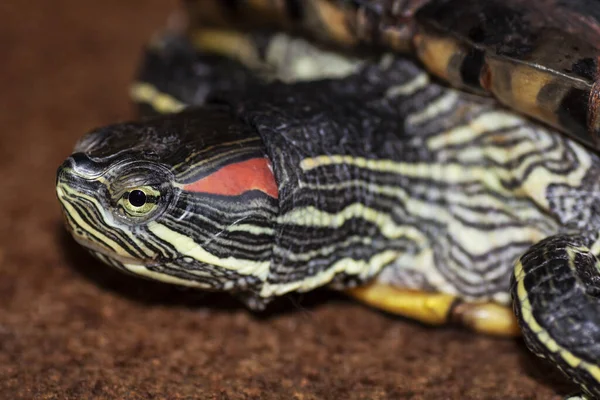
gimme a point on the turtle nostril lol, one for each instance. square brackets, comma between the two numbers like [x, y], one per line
[80, 165]
[80, 161]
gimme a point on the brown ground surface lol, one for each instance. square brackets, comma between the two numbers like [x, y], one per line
[71, 328]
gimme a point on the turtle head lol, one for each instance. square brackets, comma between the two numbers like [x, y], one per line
[186, 199]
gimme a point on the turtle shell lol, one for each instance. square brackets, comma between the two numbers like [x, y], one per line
[538, 57]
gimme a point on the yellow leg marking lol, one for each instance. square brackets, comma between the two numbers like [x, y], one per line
[430, 308]
[439, 309]
[489, 318]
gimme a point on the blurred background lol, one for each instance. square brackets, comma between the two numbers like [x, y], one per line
[71, 328]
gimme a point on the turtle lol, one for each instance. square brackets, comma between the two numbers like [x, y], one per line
[267, 164]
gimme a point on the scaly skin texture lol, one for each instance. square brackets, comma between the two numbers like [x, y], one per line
[381, 176]
[538, 57]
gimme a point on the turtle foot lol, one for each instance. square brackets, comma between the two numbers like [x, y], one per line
[439, 309]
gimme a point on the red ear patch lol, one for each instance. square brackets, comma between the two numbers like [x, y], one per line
[235, 179]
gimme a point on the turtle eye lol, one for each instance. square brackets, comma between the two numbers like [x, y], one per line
[140, 201]
[137, 198]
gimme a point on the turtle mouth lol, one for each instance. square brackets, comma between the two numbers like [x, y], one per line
[103, 254]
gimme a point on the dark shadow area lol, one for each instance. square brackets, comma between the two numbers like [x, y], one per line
[153, 292]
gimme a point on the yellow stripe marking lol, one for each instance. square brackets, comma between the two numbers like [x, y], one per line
[186, 246]
[146, 93]
[543, 336]
[296, 59]
[348, 265]
[464, 200]
[534, 186]
[228, 43]
[89, 229]
[164, 277]
[253, 229]
[323, 251]
[433, 109]
[408, 88]
[311, 216]
[463, 134]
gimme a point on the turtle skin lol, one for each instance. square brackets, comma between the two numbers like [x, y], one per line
[538, 57]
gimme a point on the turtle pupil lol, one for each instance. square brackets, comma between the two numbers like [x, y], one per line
[137, 198]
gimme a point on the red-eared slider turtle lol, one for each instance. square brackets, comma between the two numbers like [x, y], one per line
[292, 167]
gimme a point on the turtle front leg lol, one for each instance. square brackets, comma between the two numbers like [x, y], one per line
[438, 308]
[556, 296]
